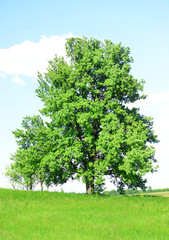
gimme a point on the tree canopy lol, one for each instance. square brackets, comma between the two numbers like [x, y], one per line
[93, 132]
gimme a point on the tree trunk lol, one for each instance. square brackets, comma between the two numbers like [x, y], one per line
[41, 185]
[89, 188]
[31, 184]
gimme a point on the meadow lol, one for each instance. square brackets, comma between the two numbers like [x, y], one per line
[27, 215]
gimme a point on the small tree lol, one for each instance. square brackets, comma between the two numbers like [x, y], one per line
[24, 167]
[94, 131]
[14, 175]
[32, 142]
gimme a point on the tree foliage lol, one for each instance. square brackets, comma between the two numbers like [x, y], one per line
[92, 131]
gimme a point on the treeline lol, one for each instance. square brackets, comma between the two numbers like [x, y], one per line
[159, 190]
[135, 191]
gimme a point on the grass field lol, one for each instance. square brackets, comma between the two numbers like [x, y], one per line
[49, 216]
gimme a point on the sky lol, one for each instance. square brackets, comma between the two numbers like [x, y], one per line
[33, 32]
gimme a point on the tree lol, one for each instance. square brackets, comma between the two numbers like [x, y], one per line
[94, 130]
[28, 167]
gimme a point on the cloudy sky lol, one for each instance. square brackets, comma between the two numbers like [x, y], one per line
[32, 32]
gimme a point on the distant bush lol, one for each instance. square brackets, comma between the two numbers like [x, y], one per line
[126, 192]
[111, 193]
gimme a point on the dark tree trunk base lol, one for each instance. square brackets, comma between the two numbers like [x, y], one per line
[89, 188]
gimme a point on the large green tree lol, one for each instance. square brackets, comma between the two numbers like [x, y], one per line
[95, 132]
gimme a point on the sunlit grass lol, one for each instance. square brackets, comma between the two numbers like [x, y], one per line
[49, 215]
[158, 194]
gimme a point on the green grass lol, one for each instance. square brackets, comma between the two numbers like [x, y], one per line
[49, 216]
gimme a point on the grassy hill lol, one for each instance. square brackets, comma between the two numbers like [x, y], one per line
[50, 215]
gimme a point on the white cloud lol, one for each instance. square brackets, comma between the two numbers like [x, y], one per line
[153, 99]
[29, 57]
[18, 81]
[157, 106]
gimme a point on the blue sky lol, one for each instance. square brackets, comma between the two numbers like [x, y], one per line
[32, 32]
